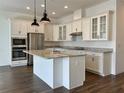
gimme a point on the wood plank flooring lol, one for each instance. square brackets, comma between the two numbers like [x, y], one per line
[22, 80]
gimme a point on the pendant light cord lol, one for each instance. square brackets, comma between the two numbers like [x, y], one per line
[45, 6]
[34, 9]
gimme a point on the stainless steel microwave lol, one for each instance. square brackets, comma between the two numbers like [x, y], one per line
[18, 41]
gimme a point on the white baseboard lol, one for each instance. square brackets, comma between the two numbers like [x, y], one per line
[18, 63]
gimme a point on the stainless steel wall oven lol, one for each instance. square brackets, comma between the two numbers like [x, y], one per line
[18, 54]
[18, 45]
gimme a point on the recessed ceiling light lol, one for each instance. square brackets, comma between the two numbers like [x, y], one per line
[28, 8]
[53, 13]
[65, 6]
[42, 5]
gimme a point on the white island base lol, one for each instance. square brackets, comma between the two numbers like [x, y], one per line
[66, 71]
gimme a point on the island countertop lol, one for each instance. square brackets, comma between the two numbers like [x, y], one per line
[49, 54]
[86, 49]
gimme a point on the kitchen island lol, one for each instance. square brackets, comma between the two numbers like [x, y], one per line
[59, 68]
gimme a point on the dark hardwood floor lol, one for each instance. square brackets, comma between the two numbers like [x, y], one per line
[22, 80]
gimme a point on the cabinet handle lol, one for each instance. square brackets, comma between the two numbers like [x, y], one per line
[76, 29]
[19, 32]
[93, 59]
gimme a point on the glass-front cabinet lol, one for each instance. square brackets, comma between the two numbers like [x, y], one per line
[94, 28]
[62, 32]
[103, 26]
[100, 27]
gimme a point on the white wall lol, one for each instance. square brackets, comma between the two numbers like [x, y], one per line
[120, 37]
[5, 43]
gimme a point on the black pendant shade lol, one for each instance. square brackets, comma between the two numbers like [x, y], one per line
[35, 23]
[45, 17]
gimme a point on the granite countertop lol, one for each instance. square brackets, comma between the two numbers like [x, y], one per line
[87, 49]
[49, 54]
[99, 50]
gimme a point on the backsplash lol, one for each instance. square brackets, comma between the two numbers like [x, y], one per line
[92, 44]
[95, 44]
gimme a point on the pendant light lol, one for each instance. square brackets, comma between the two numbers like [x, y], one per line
[35, 23]
[45, 19]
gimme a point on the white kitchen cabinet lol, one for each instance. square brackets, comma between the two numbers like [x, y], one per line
[99, 63]
[77, 26]
[19, 28]
[15, 28]
[101, 27]
[48, 31]
[33, 29]
[30, 28]
[94, 28]
[41, 28]
[93, 62]
[55, 32]
[86, 28]
[24, 29]
[62, 32]
[68, 32]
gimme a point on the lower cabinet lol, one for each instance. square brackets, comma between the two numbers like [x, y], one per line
[99, 63]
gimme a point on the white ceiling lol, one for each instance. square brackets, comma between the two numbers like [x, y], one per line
[52, 5]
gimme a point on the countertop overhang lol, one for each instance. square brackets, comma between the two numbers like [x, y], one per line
[49, 54]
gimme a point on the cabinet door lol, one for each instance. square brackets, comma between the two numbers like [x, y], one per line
[64, 32]
[96, 63]
[77, 26]
[55, 32]
[23, 28]
[94, 28]
[60, 33]
[41, 28]
[30, 28]
[15, 27]
[86, 28]
[103, 27]
[19, 28]
[48, 32]
[69, 31]
[89, 62]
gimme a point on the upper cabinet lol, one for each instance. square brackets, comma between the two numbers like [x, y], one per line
[69, 31]
[101, 27]
[62, 32]
[55, 32]
[33, 29]
[48, 32]
[86, 28]
[19, 28]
